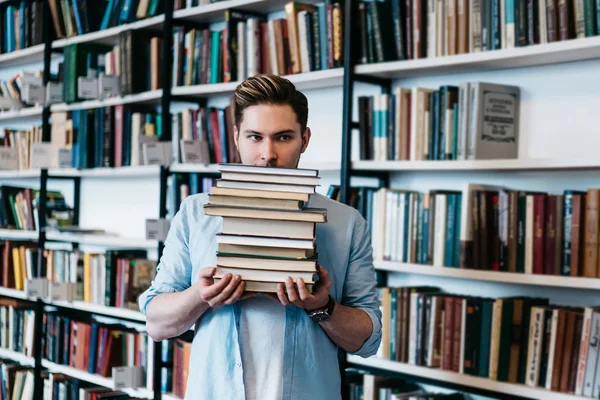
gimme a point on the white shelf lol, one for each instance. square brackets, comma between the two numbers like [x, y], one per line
[215, 12]
[169, 396]
[25, 56]
[479, 165]
[540, 54]
[123, 172]
[491, 276]
[110, 36]
[305, 81]
[19, 173]
[16, 356]
[194, 168]
[462, 379]
[13, 293]
[21, 114]
[150, 97]
[111, 241]
[94, 378]
[101, 310]
[18, 234]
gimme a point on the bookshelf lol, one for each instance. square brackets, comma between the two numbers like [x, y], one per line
[464, 382]
[13, 293]
[16, 356]
[535, 55]
[93, 378]
[490, 276]
[121, 313]
[21, 114]
[339, 80]
[18, 234]
[111, 35]
[518, 165]
[304, 81]
[555, 154]
[150, 97]
[24, 56]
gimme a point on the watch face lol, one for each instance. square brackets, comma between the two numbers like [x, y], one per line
[320, 316]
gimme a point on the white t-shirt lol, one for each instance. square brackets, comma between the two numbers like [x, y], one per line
[262, 325]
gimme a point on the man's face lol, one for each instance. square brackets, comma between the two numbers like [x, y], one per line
[270, 135]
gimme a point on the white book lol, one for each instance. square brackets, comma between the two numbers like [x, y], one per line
[534, 352]
[400, 250]
[552, 347]
[439, 240]
[431, 29]
[242, 72]
[412, 333]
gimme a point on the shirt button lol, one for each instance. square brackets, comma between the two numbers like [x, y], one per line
[239, 365]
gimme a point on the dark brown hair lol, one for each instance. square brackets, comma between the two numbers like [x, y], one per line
[270, 89]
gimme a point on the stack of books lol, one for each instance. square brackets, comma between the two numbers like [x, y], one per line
[268, 232]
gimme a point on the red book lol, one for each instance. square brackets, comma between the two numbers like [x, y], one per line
[539, 212]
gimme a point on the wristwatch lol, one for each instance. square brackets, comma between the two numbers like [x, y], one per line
[322, 314]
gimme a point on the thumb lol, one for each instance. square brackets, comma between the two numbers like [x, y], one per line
[207, 272]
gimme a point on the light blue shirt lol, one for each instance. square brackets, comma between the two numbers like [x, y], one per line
[310, 363]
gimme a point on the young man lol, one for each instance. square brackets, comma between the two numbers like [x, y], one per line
[280, 346]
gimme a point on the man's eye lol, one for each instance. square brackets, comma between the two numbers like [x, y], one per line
[284, 138]
[254, 138]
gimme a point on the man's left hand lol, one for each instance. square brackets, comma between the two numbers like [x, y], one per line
[287, 294]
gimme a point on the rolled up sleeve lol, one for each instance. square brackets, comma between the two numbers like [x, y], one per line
[360, 289]
[173, 273]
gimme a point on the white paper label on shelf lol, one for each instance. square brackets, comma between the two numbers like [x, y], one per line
[65, 158]
[33, 92]
[42, 155]
[87, 88]
[157, 229]
[128, 377]
[108, 86]
[9, 158]
[61, 291]
[156, 153]
[194, 152]
[54, 92]
[36, 288]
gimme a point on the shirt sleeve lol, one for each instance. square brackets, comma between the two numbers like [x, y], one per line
[174, 271]
[360, 289]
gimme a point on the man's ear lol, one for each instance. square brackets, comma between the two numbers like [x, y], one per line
[305, 139]
[236, 137]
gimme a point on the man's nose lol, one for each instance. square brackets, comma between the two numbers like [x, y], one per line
[268, 151]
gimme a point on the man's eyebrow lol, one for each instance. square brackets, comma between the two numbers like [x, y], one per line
[285, 131]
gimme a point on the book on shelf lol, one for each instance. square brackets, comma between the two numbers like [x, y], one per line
[73, 18]
[58, 386]
[427, 29]
[473, 121]
[113, 279]
[210, 125]
[484, 227]
[523, 340]
[90, 345]
[19, 208]
[180, 186]
[21, 141]
[21, 25]
[309, 38]
[106, 136]
[134, 60]
[262, 244]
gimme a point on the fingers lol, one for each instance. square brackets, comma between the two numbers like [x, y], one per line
[226, 292]
[291, 290]
[302, 291]
[281, 294]
[237, 293]
[216, 288]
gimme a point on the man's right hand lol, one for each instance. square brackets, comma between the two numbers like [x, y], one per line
[227, 290]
